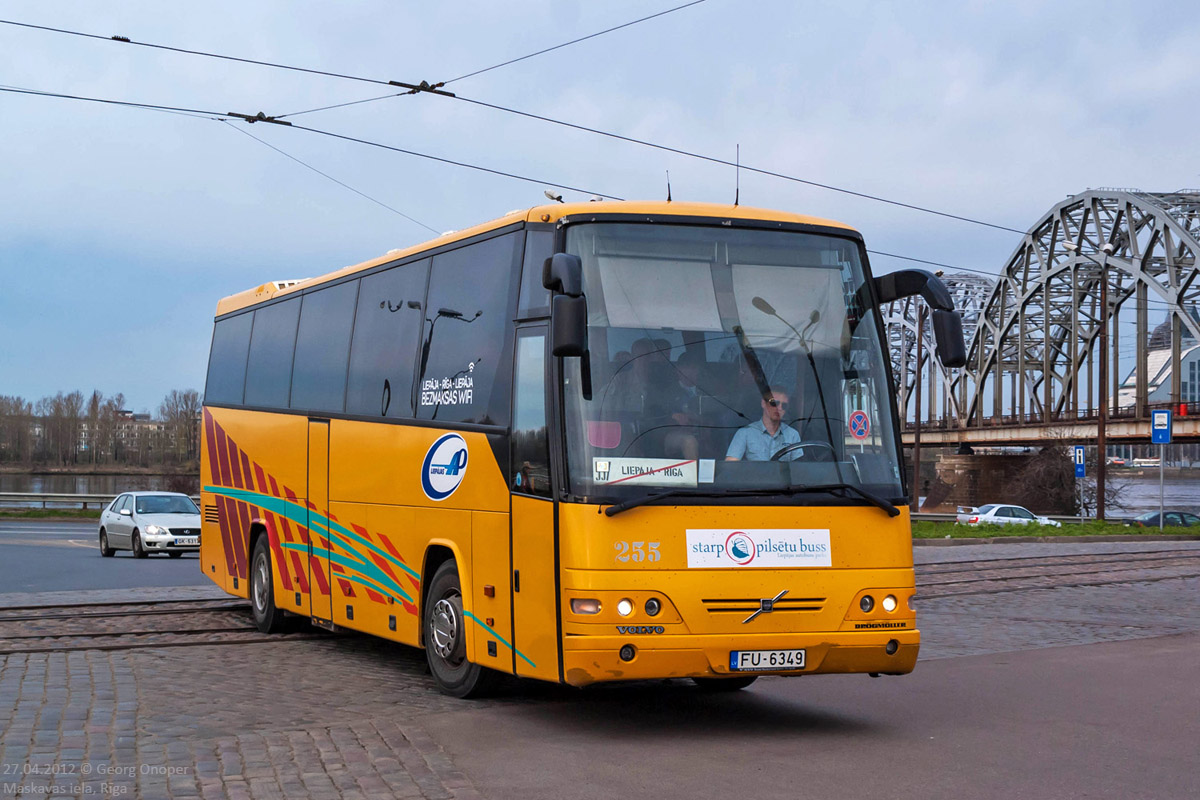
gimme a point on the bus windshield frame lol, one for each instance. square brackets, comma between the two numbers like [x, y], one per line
[700, 329]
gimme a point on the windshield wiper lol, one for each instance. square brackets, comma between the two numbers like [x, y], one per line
[648, 499]
[870, 497]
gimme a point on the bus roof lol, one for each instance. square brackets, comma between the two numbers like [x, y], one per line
[538, 214]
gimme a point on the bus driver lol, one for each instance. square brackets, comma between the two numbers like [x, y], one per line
[763, 438]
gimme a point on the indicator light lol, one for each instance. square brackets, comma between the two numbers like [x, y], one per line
[585, 606]
[625, 607]
[867, 603]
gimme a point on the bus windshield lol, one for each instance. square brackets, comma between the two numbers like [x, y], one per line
[725, 360]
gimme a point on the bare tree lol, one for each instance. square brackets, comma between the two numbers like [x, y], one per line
[179, 412]
[16, 430]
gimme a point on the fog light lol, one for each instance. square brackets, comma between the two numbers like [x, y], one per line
[625, 607]
[653, 606]
[628, 652]
[867, 603]
[582, 606]
[889, 604]
[911, 598]
[891, 647]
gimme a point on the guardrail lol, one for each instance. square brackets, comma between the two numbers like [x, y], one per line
[51, 500]
[924, 517]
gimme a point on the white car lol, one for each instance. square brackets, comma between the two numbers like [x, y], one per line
[998, 514]
[150, 522]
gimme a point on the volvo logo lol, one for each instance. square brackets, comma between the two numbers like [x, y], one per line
[765, 606]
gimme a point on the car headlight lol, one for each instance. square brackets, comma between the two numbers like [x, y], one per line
[156, 530]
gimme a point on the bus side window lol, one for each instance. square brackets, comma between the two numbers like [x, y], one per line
[468, 334]
[391, 308]
[530, 446]
[535, 298]
[322, 347]
[227, 362]
[272, 346]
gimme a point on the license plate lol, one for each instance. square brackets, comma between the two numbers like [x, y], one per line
[182, 540]
[765, 660]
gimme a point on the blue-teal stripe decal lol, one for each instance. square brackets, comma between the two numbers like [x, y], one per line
[481, 624]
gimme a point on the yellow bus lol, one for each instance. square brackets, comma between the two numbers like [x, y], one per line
[580, 443]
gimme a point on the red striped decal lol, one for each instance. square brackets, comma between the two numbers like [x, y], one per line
[248, 476]
[210, 437]
[223, 455]
[228, 519]
[301, 575]
[242, 539]
[277, 553]
[262, 479]
[376, 596]
[347, 589]
[388, 546]
[318, 573]
[234, 469]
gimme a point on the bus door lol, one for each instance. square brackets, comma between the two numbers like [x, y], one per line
[320, 596]
[534, 559]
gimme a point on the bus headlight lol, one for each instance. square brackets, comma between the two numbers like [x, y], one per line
[625, 607]
[867, 603]
[889, 604]
[585, 606]
[653, 606]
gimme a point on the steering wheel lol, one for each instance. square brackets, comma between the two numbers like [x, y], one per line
[783, 451]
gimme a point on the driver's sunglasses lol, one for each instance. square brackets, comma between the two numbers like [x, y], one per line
[778, 403]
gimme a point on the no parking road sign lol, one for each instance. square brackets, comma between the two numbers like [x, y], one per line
[860, 425]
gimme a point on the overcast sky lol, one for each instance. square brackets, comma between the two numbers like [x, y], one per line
[122, 228]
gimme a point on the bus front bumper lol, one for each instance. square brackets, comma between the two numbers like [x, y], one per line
[592, 659]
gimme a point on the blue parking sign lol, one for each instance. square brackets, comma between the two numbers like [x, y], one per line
[1079, 464]
[1160, 426]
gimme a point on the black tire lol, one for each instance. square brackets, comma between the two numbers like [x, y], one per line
[267, 616]
[724, 684]
[445, 638]
[105, 550]
[138, 550]
[175, 554]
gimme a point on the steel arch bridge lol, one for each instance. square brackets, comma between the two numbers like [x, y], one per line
[1033, 332]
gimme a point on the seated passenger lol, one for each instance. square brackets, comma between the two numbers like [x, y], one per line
[763, 438]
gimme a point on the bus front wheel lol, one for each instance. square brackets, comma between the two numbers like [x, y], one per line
[446, 640]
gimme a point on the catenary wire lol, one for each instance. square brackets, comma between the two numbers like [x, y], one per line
[219, 117]
[329, 177]
[508, 110]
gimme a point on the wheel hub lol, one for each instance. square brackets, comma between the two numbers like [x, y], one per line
[446, 628]
[262, 576]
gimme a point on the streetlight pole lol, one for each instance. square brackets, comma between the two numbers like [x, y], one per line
[1102, 421]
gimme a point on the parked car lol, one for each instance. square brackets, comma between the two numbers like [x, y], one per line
[999, 514]
[150, 522]
[1172, 519]
[1117, 461]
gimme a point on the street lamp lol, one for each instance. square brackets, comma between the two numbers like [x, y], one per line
[1102, 423]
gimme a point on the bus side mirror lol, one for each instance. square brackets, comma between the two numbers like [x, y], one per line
[563, 273]
[568, 326]
[948, 333]
[947, 324]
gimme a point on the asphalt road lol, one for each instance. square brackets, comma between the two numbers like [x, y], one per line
[41, 556]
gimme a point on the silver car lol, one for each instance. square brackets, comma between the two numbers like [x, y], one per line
[999, 514]
[150, 522]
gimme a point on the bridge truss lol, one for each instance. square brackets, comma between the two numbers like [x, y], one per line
[1032, 333]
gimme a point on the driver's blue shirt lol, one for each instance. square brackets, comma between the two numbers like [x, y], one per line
[753, 443]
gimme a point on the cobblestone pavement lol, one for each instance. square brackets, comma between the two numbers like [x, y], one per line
[341, 717]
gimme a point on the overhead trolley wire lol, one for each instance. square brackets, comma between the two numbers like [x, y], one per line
[435, 88]
[227, 116]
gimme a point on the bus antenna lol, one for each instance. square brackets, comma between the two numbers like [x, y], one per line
[668, 186]
[737, 179]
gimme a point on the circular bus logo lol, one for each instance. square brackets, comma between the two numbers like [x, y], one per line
[444, 467]
[740, 548]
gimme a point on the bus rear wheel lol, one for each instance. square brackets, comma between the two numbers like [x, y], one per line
[267, 617]
[724, 684]
[446, 640]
